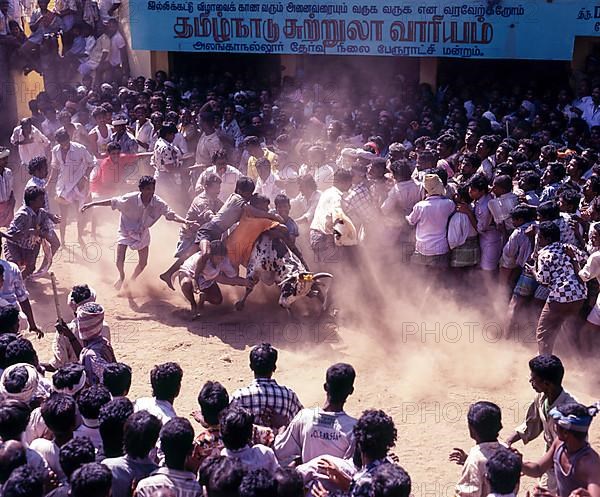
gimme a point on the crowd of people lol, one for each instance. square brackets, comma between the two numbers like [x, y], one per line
[79, 434]
[488, 188]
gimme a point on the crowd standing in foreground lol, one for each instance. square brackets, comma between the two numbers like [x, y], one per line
[79, 434]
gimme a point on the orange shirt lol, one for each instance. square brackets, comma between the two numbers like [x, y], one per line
[240, 242]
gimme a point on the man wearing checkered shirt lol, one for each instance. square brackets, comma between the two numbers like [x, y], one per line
[273, 405]
[557, 266]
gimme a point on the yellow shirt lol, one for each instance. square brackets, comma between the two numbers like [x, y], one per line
[267, 154]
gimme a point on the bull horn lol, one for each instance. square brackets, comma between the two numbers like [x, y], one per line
[291, 277]
[318, 276]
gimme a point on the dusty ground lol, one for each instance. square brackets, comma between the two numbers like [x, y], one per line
[439, 357]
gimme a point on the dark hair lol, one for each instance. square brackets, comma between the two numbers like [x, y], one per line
[213, 400]
[176, 441]
[485, 418]
[472, 159]
[375, 433]
[221, 476]
[281, 199]
[401, 170]
[263, 359]
[595, 184]
[67, 376]
[91, 480]
[32, 193]
[525, 212]
[548, 210]
[342, 175]
[244, 184]
[289, 483]
[117, 378]
[140, 434]
[550, 231]
[504, 181]
[258, 483]
[550, 151]
[5, 339]
[251, 141]
[557, 169]
[36, 164]
[16, 379]
[479, 182]
[166, 380]
[9, 315]
[463, 193]
[24, 482]
[339, 381]
[14, 418]
[62, 136]
[531, 180]
[91, 401]
[146, 181]
[548, 368]
[75, 453]
[390, 480]
[12, 456]
[578, 410]
[570, 197]
[236, 427]
[503, 471]
[112, 418]
[113, 147]
[60, 413]
[211, 179]
[79, 293]
[307, 181]
[20, 350]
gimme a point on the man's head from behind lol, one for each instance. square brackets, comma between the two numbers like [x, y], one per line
[166, 381]
[75, 453]
[176, 441]
[140, 434]
[91, 480]
[25, 482]
[485, 421]
[263, 360]
[14, 418]
[12, 455]
[503, 471]
[339, 382]
[236, 427]
[117, 378]
[112, 418]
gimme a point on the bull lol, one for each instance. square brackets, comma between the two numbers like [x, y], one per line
[272, 262]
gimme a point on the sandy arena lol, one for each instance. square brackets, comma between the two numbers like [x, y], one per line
[440, 357]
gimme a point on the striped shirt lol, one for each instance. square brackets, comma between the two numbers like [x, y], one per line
[266, 399]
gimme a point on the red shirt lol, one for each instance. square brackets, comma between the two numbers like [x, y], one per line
[110, 176]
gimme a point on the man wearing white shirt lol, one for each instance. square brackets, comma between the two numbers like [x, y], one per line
[30, 140]
[228, 175]
[267, 182]
[316, 165]
[166, 384]
[117, 58]
[430, 216]
[321, 229]
[591, 108]
[305, 204]
[71, 165]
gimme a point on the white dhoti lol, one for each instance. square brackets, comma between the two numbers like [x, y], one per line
[134, 240]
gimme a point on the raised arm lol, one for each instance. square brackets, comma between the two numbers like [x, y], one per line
[97, 203]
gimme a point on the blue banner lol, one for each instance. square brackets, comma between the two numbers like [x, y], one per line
[491, 29]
